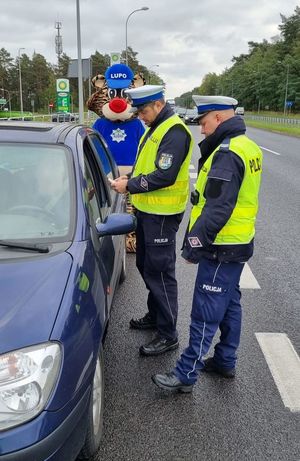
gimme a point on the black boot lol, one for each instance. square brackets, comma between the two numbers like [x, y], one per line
[144, 323]
[210, 366]
[159, 346]
[170, 382]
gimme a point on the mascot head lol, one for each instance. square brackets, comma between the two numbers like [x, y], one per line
[110, 100]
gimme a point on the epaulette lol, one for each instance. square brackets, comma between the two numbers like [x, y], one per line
[224, 146]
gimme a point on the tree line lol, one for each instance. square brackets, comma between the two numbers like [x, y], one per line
[39, 78]
[264, 78]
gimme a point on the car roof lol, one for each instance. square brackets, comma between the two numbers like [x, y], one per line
[46, 132]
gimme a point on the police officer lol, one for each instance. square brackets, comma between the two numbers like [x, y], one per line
[219, 239]
[159, 187]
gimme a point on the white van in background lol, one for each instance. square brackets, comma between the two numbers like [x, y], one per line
[239, 111]
[171, 102]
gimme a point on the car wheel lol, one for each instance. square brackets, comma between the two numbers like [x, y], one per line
[123, 268]
[95, 417]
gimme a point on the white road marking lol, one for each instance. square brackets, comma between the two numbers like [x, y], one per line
[191, 167]
[193, 175]
[269, 150]
[248, 280]
[284, 365]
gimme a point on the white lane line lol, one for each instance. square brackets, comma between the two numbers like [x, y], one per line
[248, 280]
[269, 150]
[193, 175]
[284, 365]
[191, 167]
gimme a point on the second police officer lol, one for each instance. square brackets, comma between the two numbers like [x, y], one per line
[219, 239]
[159, 188]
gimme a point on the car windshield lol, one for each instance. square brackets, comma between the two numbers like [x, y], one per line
[35, 192]
[191, 112]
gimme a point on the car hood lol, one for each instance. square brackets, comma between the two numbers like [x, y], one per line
[31, 293]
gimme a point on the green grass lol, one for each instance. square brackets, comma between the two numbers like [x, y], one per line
[266, 113]
[8, 114]
[293, 130]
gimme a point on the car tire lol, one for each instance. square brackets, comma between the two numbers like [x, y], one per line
[123, 268]
[95, 417]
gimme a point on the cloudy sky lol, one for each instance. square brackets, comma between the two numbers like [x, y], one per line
[185, 38]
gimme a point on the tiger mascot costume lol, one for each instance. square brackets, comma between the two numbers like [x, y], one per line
[120, 128]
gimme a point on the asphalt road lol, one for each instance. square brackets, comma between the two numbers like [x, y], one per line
[241, 419]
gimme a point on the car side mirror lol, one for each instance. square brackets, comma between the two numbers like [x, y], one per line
[117, 224]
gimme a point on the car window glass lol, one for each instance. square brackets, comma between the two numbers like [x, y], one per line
[36, 192]
[106, 161]
[90, 195]
[103, 155]
[95, 193]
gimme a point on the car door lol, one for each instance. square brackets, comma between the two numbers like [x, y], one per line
[102, 202]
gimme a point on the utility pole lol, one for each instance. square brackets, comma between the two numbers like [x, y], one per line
[80, 85]
[286, 88]
[20, 82]
[58, 41]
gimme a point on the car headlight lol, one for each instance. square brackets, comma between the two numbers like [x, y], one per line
[27, 377]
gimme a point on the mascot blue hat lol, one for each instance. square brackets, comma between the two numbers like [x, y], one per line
[119, 76]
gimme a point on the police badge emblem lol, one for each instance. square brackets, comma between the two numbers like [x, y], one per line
[165, 161]
[194, 242]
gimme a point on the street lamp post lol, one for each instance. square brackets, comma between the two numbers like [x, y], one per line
[79, 60]
[144, 8]
[151, 67]
[20, 81]
[286, 88]
[9, 101]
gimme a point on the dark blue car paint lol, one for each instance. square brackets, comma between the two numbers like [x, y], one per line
[64, 297]
[30, 291]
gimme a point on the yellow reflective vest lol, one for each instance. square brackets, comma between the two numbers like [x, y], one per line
[168, 200]
[240, 228]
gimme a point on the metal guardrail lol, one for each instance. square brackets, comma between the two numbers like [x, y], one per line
[88, 118]
[281, 120]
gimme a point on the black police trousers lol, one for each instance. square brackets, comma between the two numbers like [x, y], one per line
[155, 260]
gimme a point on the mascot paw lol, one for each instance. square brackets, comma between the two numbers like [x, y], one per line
[131, 243]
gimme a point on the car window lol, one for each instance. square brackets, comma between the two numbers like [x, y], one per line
[36, 192]
[103, 155]
[91, 196]
[95, 192]
[191, 112]
[106, 160]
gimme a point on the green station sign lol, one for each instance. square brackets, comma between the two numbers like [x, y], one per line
[62, 95]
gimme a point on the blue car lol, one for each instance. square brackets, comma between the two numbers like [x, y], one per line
[62, 256]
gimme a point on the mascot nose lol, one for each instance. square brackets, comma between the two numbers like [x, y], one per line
[117, 105]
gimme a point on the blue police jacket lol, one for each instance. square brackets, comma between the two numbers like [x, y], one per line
[176, 143]
[224, 192]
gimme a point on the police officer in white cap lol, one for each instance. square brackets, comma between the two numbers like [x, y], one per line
[159, 186]
[219, 239]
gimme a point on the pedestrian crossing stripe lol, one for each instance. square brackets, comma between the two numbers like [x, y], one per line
[284, 364]
[247, 280]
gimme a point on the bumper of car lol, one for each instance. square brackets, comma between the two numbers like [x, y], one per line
[62, 444]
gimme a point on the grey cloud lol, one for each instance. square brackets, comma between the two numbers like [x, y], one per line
[186, 38]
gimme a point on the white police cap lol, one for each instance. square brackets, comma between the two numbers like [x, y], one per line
[145, 94]
[207, 104]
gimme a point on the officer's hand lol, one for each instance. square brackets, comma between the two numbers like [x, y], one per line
[120, 178]
[120, 186]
